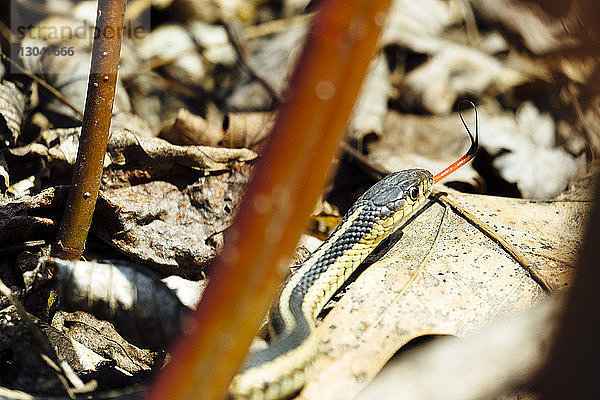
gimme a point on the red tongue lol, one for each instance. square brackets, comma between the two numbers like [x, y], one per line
[472, 150]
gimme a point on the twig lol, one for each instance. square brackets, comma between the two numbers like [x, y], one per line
[238, 41]
[45, 85]
[278, 25]
[372, 168]
[506, 245]
[64, 371]
[85, 186]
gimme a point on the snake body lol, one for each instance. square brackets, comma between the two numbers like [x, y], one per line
[282, 368]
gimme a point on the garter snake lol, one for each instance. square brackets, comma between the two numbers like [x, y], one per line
[282, 368]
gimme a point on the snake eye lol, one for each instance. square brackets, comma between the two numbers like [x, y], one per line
[413, 193]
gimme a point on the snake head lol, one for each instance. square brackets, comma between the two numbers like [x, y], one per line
[399, 191]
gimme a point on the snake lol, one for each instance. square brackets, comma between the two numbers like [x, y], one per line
[281, 369]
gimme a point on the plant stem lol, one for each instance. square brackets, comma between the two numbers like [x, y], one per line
[97, 115]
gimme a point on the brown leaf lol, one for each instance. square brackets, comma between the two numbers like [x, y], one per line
[191, 129]
[13, 105]
[246, 129]
[503, 356]
[100, 337]
[371, 106]
[23, 368]
[175, 232]
[141, 307]
[125, 147]
[20, 220]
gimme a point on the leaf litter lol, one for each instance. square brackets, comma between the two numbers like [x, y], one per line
[166, 204]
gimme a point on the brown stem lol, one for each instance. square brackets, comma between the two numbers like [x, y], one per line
[97, 115]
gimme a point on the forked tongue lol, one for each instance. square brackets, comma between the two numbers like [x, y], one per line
[472, 150]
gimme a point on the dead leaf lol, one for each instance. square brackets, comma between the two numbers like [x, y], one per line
[467, 282]
[540, 170]
[544, 31]
[189, 292]
[172, 47]
[276, 57]
[140, 306]
[371, 105]
[125, 147]
[247, 129]
[499, 358]
[13, 105]
[19, 218]
[24, 368]
[22, 188]
[214, 42]
[453, 72]
[190, 129]
[4, 175]
[173, 231]
[79, 357]
[68, 74]
[418, 26]
[101, 338]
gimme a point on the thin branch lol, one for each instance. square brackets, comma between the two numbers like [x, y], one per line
[83, 194]
[238, 41]
[45, 85]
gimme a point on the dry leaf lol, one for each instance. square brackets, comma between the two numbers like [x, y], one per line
[418, 26]
[4, 175]
[215, 43]
[173, 231]
[497, 359]
[247, 129]
[172, 45]
[20, 220]
[453, 72]
[140, 306]
[101, 338]
[276, 57]
[21, 188]
[125, 147]
[371, 105]
[190, 129]
[78, 356]
[467, 282]
[67, 73]
[13, 105]
[544, 31]
[189, 292]
[18, 348]
[540, 170]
